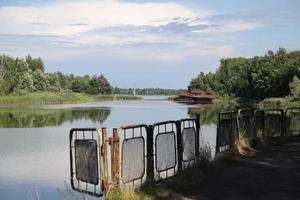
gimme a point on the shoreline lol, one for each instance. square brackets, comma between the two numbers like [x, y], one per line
[60, 98]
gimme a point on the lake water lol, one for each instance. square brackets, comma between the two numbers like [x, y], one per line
[34, 140]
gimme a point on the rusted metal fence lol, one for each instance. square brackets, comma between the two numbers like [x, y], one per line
[226, 131]
[137, 153]
[259, 122]
[245, 122]
[132, 155]
[274, 122]
[88, 165]
[292, 120]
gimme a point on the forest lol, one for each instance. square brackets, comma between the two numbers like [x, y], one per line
[276, 74]
[21, 76]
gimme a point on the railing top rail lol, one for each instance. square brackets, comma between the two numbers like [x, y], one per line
[295, 108]
[227, 112]
[188, 119]
[164, 122]
[83, 129]
[134, 126]
[274, 109]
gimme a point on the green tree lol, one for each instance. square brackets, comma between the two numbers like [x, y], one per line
[40, 80]
[295, 88]
[35, 63]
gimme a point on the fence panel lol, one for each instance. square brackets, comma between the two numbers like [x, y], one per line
[225, 137]
[85, 160]
[246, 123]
[190, 142]
[259, 123]
[292, 120]
[133, 155]
[274, 122]
[165, 149]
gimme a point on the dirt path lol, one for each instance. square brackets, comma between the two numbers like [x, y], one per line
[273, 173]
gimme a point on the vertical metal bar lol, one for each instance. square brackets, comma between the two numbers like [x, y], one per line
[198, 128]
[218, 135]
[105, 163]
[150, 160]
[116, 157]
[179, 145]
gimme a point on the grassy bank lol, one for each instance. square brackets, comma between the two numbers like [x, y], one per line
[168, 189]
[283, 103]
[59, 98]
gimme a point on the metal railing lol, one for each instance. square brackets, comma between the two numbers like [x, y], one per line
[155, 152]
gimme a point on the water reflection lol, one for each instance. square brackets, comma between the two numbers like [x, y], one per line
[29, 118]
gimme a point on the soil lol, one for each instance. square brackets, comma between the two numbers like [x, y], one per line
[272, 173]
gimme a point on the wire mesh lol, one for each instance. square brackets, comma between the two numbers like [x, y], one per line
[292, 118]
[273, 122]
[246, 123]
[225, 131]
[165, 150]
[133, 162]
[85, 145]
[259, 122]
[189, 141]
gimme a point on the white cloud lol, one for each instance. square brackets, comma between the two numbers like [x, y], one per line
[68, 18]
[166, 32]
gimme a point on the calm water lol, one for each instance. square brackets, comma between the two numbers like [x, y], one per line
[34, 151]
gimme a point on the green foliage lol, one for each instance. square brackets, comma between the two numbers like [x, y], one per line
[295, 88]
[258, 77]
[40, 80]
[99, 85]
[20, 76]
[35, 63]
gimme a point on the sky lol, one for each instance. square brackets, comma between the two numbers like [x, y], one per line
[139, 43]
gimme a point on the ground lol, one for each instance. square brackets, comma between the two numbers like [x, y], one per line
[272, 173]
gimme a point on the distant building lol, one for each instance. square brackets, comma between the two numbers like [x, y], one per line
[194, 96]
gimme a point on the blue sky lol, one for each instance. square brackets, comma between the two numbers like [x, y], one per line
[146, 43]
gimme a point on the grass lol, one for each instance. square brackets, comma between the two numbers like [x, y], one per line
[65, 97]
[167, 189]
[283, 103]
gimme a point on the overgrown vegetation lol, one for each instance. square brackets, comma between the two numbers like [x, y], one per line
[22, 76]
[272, 75]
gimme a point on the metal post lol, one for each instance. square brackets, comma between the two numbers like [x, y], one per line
[150, 160]
[104, 161]
[179, 145]
[198, 125]
[116, 156]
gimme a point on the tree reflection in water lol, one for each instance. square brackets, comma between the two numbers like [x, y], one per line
[22, 117]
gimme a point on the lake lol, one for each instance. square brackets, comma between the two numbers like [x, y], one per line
[34, 140]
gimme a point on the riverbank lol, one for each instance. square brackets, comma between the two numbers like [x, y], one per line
[59, 98]
[271, 173]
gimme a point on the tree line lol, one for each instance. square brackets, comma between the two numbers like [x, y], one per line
[23, 75]
[147, 91]
[276, 74]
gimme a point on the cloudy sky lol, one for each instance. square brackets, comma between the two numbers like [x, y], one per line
[141, 43]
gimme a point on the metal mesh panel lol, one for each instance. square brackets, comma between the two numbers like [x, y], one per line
[133, 159]
[84, 161]
[293, 120]
[259, 122]
[165, 151]
[225, 131]
[245, 123]
[273, 122]
[189, 144]
[133, 155]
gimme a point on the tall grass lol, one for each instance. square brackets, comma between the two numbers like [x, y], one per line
[59, 98]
